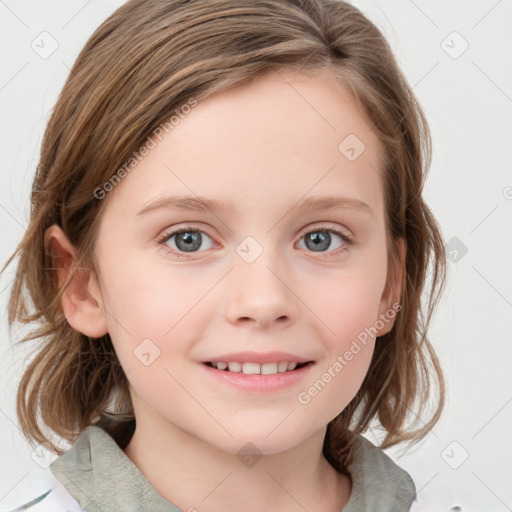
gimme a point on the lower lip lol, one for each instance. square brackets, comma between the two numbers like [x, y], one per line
[261, 383]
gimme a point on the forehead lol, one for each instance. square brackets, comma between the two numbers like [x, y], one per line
[281, 137]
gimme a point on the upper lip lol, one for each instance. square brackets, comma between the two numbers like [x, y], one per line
[258, 357]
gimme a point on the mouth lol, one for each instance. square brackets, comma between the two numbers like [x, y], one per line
[258, 373]
[253, 368]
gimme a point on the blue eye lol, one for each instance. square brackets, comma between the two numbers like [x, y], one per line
[321, 239]
[189, 239]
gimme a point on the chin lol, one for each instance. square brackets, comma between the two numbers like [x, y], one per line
[257, 441]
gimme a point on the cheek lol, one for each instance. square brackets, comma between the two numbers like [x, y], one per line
[151, 315]
[347, 306]
[338, 377]
[347, 303]
[349, 368]
[146, 299]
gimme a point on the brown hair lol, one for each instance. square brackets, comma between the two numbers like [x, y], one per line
[146, 60]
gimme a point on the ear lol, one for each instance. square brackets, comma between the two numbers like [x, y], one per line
[392, 293]
[81, 300]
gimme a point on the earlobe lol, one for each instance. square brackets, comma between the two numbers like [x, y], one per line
[391, 296]
[81, 300]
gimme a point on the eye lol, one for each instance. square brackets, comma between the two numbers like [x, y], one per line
[319, 239]
[188, 239]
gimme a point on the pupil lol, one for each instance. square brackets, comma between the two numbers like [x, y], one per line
[191, 240]
[320, 240]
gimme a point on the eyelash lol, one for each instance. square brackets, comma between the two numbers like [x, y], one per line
[329, 228]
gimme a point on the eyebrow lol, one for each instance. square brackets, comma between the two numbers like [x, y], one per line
[204, 204]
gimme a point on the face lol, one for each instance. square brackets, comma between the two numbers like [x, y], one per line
[265, 274]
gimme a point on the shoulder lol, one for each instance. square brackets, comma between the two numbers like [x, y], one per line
[55, 498]
[375, 465]
[382, 474]
[378, 484]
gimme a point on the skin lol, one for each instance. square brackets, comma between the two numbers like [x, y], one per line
[263, 146]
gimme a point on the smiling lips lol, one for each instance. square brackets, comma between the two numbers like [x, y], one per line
[251, 368]
[253, 363]
[253, 372]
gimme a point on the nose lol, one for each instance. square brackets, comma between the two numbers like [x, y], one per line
[261, 292]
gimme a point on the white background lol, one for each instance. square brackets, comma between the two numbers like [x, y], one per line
[468, 101]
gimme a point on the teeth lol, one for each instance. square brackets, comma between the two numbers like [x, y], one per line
[283, 366]
[235, 367]
[269, 369]
[256, 368]
[251, 368]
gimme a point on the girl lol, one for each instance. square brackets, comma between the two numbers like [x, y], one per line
[226, 255]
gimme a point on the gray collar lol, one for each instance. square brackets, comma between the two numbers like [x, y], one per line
[100, 476]
[378, 484]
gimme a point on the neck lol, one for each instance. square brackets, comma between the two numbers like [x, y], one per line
[194, 475]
